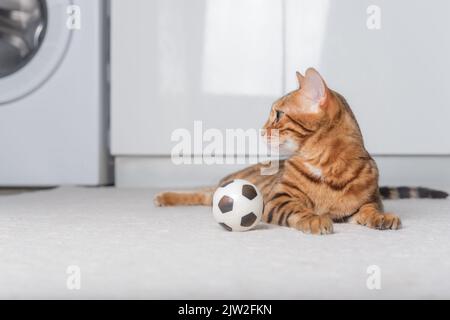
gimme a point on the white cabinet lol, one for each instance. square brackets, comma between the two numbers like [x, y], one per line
[396, 78]
[225, 62]
[178, 61]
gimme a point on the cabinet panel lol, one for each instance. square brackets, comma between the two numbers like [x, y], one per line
[225, 62]
[396, 78]
[176, 61]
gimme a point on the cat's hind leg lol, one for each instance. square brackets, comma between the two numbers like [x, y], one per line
[370, 215]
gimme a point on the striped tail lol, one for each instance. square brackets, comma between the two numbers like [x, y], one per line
[391, 193]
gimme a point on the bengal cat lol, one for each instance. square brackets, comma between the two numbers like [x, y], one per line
[329, 176]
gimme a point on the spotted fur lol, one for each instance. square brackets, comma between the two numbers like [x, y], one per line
[329, 176]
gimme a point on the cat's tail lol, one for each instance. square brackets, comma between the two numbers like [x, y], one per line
[202, 197]
[391, 193]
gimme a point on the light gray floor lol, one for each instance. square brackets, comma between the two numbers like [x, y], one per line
[126, 248]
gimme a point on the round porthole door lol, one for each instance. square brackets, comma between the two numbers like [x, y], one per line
[34, 39]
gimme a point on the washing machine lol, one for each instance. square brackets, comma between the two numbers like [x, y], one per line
[54, 93]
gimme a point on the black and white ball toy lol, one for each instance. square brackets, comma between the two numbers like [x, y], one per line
[238, 206]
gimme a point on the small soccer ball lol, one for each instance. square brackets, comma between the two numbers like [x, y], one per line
[238, 206]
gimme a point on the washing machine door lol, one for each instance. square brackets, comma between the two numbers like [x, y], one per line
[34, 38]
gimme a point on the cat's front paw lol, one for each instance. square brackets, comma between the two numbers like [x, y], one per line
[318, 225]
[160, 200]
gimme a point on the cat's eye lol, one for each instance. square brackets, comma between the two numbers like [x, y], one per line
[279, 114]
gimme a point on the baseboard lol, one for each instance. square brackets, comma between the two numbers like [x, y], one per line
[160, 172]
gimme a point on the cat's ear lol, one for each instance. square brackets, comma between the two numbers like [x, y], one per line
[314, 87]
[301, 79]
